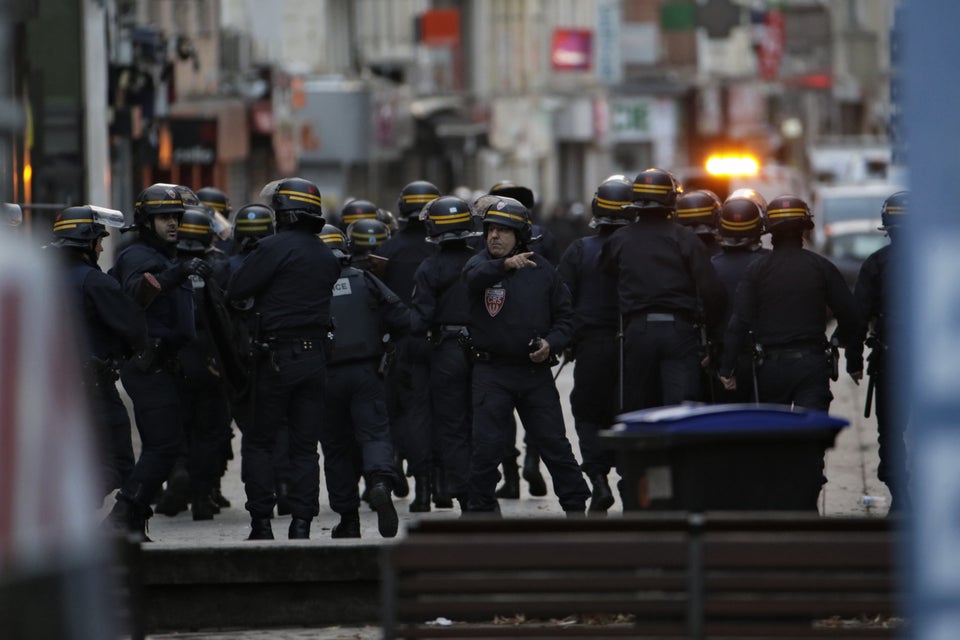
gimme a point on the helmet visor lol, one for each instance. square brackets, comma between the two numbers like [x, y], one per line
[10, 214]
[107, 217]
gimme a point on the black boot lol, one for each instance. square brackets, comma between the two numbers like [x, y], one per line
[421, 495]
[510, 489]
[260, 529]
[531, 473]
[175, 498]
[400, 487]
[441, 498]
[299, 529]
[283, 499]
[218, 498]
[202, 506]
[382, 503]
[129, 517]
[602, 498]
[348, 527]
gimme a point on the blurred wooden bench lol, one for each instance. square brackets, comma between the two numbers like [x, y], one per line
[714, 575]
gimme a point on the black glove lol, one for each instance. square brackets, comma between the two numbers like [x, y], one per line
[196, 266]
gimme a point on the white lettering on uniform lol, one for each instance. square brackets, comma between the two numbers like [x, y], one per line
[342, 287]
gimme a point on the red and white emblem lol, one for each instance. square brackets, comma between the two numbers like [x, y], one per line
[493, 299]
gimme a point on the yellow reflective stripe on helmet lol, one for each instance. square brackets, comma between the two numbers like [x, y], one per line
[299, 195]
[796, 212]
[733, 225]
[255, 225]
[331, 237]
[153, 203]
[614, 205]
[195, 228]
[368, 236]
[510, 216]
[353, 217]
[652, 188]
[71, 224]
[690, 213]
[896, 211]
[419, 198]
[219, 206]
[453, 218]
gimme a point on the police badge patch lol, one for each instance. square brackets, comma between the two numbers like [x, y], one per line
[493, 299]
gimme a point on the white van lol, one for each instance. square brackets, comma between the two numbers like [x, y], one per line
[844, 203]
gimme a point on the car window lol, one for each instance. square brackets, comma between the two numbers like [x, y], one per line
[855, 246]
[835, 209]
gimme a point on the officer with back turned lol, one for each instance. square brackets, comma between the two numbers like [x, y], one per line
[520, 315]
[355, 435]
[596, 349]
[113, 328]
[664, 282]
[290, 277]
[148, 271]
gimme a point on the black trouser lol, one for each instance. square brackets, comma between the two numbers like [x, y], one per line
[594, 396]
[112, 424]
[289, 391]
[156, 397]
[356, 432]
[408, 403]
[661, 362]
[450, 372]
[891, 423]
[206, 417]
[743, 373]
[498, 389]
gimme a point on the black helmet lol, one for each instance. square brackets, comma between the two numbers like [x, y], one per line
[509, 212]
[386, 217]
[893, 209]
[294, 200]
[196, 230]
[334, 238]
[365, 235]
[448, 218]
[253, 221]
[741, 218]
[699, 210]
[156, 200]
[613, 194]
[414, 196]
[788, 213]
[655, 190]
[333, 217]
[358, 210]
[507, 189]
[215, 199]
[79, 227]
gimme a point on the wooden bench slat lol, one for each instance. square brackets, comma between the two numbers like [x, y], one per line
[550, 581]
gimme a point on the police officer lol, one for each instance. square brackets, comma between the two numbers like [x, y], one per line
[520, 314]
[408, 391]
[594, 400]
[741, 226]
[113, 327]
[440, 311]
[363, 238]
[873, 295]
[664, 282]
[700, 210]
[148, 271]
[356, 436]
[358, 210]
[218, 205]
[290, 277]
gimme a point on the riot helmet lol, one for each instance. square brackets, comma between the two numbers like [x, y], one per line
[521, 194]
[196, 230]
[158, 200]
[508, 212]
[613, 194]
[334, 238]
[699, 210]
[414, 196]
[295, 201]
[358, 210]
[655, 191]
[448, 218]
[253, 221]
[741, 218]
[787, 214]
[894, 208]
[215, 199]
[364, 236]
[386, 217]
[81, 227]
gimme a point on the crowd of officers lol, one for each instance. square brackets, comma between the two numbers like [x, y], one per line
[413, 339]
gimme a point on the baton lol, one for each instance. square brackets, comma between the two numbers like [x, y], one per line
[869, 403]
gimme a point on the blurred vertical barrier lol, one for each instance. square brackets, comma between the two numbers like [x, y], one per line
[54, 562]
[930, 290]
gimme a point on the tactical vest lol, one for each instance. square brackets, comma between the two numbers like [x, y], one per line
[597, 303]
[99, 341]
[356, 319]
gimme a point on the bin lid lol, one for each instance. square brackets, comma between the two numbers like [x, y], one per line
[704, 419]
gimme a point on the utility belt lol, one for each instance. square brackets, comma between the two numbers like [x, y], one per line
[444, 331]
[486, 357]
[158, 354]
[658, 316]
[771, 352]
[303, 343]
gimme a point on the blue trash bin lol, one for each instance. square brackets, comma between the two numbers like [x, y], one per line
[744, 457]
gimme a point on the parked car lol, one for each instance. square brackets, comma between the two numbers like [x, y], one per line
[849, 242]
[845, 203]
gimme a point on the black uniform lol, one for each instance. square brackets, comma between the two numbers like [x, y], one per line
[113, 328]
[355, 435]
[731, 265]
[440, 304]
[508, 309]
[665, 281]
[594, 398]
[408, 391]
[154, 379]
[783, 300]
[290, 276]
[872, 295]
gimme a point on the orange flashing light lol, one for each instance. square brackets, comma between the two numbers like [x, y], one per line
[732, 165]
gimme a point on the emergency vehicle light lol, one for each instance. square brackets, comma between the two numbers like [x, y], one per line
[732, 165]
